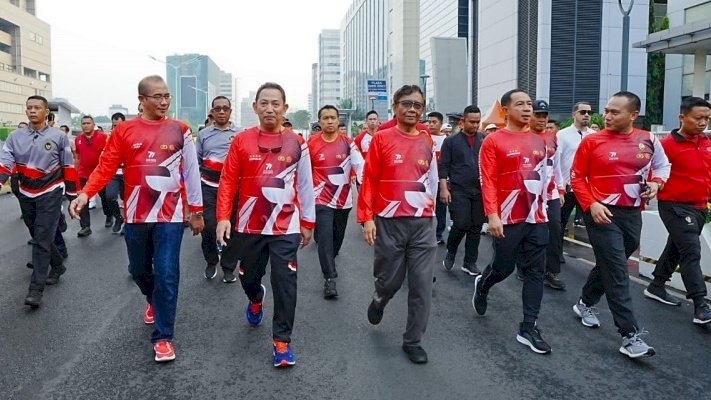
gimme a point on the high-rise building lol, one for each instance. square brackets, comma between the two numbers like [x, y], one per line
[194, 80]
[365, 55]
[329, 67]
[117, 108]
[229, 89]
[313, 97]
[248, 117]
[403, 43]
[25, 59]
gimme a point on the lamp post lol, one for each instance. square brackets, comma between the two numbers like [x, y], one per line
[625, 42]
[372, 101]
[424, 93]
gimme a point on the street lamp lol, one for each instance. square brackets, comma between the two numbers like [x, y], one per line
[424, 92]
[372, 101]
[625, 42]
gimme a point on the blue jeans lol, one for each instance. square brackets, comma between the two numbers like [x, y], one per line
[153, 261]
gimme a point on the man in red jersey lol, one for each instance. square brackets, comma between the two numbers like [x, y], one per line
[683, 209]
[362, 141]
[161, 177]
[333, 158]
[513, 174]
[269, 169]
[89, 145]
[396, 207]
[434, 122]
[609, 180]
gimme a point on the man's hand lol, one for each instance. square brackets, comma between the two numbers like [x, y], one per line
[197, 223]
[224, 228]
[651, 192]
[306, 234]
[369, 232]
[496, 227]
[600, 213]
[562, 197]
[444, 195]
[77, 205]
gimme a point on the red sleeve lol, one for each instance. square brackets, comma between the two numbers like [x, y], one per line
[228, 182]
[358, 139]
[488, 171]
[371, 178]
[109, 162]
[579, 176]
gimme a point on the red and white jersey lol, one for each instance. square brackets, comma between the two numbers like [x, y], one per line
[362, 142]
[514, 171]
[400, 177]
[438, 140]
[554, 179]
[609, 167]
[332, 164]
[271, 174]
[160, 167]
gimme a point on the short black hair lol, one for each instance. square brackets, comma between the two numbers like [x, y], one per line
[118, 116]
[50, 116]
[633, 100]
[407, 90]
[326, 107]
[371, 112]
[554, 122]
[472, 109]
[65, 126]
[229, 103]
[207, 121]
[271, 85]
[506, 98]
[436, 114]
[87, 117]
[341, 124]
[689, 103]
[38, 97]
[577, 105]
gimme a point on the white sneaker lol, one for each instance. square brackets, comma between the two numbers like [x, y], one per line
[485, 228]
[92, 204]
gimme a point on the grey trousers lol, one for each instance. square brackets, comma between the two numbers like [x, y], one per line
[406, 246]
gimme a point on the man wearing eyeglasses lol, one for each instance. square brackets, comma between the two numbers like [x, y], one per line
[89, 145]
[161, 178]
[568, 141]
[268, 172]
[396, 206]
[212, 145]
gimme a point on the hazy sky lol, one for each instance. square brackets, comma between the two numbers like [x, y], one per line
[101, 49]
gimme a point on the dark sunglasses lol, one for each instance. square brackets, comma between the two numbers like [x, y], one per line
[266, 149]
[585, 112]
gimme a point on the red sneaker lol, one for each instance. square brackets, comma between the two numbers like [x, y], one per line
[164, 351]
[148, 315]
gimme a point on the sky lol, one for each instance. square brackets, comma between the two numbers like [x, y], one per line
[101, 49]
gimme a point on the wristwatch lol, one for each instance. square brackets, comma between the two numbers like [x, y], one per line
[197, 214]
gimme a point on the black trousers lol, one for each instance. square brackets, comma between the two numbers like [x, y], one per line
[84, 216]
[441, 214]
[209, 235]
[555, 246]
[330, 231]
[570, 203]
[41, 216]
[406, 246]
[467, 213]
[524, 245]
[114, 190]
[684, 224]
[613, 244]
[256, 251]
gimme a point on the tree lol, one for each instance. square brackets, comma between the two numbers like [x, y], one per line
[345, 104]
[300, 119]
[656, 64]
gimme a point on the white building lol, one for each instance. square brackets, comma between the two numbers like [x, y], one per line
[248, 118]
[329, 67]
[403, 43]
[229, 89]
[313, 96]
[117, 108]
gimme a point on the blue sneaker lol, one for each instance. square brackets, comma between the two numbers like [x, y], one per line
[255, 311]
[283, 357]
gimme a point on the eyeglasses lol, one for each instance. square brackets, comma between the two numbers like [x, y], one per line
[159, 97]
[585, 112]
[266, 149]
[224, 108]
[411, 104]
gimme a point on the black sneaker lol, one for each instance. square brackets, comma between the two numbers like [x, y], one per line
[479, 301]
[32, 242]
[34, 298]
[440, 242]
[519, 274]
[531, 337]
[64, 253]
[471, 269]
[329, 289]
[54, 274]
[553, 281]
[375, 315]
[415, 353]
[210, 271]
[30, 265]
[702, 314]
[660, 294]
[118, 225]
[228, 276]
[448, 262]
[109, 222]
[62, 223]
[84, 232]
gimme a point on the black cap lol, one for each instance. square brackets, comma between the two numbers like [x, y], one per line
[540, 106]
[286, 121]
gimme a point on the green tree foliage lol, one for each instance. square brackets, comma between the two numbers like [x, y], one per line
[594, 119]
[300, 119]
[654, 112]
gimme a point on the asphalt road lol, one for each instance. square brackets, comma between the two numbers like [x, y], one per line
[87, 341]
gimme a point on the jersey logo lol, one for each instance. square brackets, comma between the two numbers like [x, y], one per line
[398, 159]
[48, 146]
[526, 161]
[268, 166]
[613, 155]
[321, 157]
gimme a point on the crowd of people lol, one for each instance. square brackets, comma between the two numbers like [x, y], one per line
[258, 195]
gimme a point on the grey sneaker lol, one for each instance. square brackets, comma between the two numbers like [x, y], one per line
[660, 294]
[586, 314]
[471, 269]
[634, 347]
[448, 262]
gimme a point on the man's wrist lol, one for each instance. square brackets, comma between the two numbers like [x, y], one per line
[197, 214]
